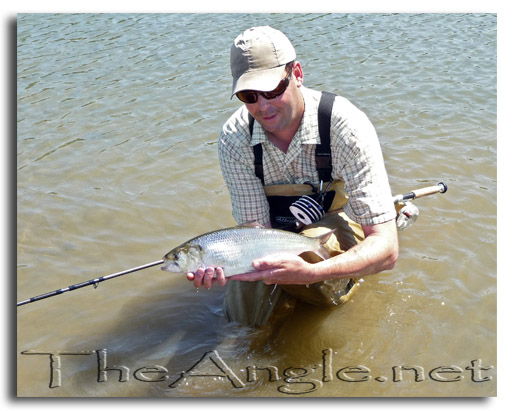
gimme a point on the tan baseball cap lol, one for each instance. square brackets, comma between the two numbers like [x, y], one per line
[257, 59]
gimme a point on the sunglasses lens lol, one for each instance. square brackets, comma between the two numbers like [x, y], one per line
[278, 91]
[247, 96]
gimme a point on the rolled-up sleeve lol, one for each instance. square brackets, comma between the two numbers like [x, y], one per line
[358, 161]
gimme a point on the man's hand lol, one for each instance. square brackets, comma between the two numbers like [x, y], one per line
[280, 269]
[206, 278]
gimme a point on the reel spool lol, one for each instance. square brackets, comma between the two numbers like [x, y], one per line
[307, 210]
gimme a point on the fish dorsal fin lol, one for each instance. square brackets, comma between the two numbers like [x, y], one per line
[253, 223]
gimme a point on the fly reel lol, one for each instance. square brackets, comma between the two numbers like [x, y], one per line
[309, 209]
[408, 213]
[407, 216]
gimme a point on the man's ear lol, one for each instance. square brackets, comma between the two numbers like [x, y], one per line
[298, 73]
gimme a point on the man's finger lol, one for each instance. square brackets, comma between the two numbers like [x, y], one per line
[198, 281]
[220, 276]
[207, 279]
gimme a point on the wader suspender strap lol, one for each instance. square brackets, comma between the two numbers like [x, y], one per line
[323, 152]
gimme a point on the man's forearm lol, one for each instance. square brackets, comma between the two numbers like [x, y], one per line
[376, 253]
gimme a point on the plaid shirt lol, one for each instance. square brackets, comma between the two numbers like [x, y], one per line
[356, 160]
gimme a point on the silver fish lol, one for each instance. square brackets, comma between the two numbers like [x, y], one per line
[235, 248]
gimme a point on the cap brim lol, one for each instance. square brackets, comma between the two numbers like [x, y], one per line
[260, 80]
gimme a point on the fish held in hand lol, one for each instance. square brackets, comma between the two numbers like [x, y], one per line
[235, 248]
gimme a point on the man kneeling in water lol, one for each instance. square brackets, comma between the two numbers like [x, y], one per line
[282, 143]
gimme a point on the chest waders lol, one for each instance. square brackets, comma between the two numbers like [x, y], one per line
[252, 303]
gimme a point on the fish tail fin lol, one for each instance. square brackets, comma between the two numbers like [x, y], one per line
[322, 239]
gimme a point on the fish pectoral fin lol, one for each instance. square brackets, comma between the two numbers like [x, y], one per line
[323, 253]
[253, 223]
[323, 238]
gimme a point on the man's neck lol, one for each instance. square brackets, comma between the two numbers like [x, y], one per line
[281, 142]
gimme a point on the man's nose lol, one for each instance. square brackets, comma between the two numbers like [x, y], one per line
[262, 102]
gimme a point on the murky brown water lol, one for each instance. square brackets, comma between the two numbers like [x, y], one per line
[118, 119]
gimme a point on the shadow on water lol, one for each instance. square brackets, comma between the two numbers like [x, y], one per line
[163, 336]
[156, 337]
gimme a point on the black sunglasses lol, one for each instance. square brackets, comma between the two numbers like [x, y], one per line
[251, 96]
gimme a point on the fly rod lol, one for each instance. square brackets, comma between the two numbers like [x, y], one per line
[94, 282]
[440, 188]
